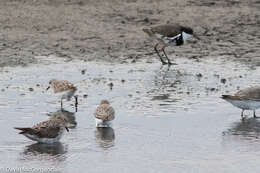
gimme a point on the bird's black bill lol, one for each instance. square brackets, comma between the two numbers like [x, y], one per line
[76, 103]
[67, 129]
[47, 88]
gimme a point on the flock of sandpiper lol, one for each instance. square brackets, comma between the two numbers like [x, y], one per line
[50, 131]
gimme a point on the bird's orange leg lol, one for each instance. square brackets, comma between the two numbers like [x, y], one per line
[156, 50]
[169, 62]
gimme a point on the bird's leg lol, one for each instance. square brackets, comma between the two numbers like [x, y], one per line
[255, 115]
[156, 50]
[242, 114]
[61, 105]
[169, 62]
[76, 103]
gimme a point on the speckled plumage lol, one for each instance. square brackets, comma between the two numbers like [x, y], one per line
[45, 132]
[61, 85]
[64, 90]
[105, 111]
[68, 116]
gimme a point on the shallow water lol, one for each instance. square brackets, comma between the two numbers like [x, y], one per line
[167, 120]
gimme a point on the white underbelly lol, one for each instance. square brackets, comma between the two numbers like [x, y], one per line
[101, 123]
[66, 94]
[45, 140]
[245, 104]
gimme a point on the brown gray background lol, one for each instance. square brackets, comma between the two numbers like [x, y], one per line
[112, 30]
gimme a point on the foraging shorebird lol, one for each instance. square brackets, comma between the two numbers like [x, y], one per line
[68, 116]
[64, 90]
[49, 131]
[104, 114]
[245, 99]
[169, 35]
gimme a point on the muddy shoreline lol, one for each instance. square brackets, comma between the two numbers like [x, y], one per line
[112, 30]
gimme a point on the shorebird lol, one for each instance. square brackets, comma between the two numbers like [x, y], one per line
[68, 116]
[104, 114]
[169, 35]
[64, 90]
[49, 131]
[245, 99]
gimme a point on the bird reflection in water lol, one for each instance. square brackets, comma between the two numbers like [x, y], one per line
[41, 148]
[105, 137]
[248, 128]
[55, 152]
[69, 117]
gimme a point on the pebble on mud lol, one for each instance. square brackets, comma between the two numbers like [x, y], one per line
[223, 80]
[212, 89]
[110, 85]
[123, 81]
[146, 20]
[133, 61]
[199, 75]
[83, 71]
[85, 96]
[31, 89]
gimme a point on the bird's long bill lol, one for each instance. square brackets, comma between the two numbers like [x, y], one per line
[67, 129]
[47, 88]
[195, 36]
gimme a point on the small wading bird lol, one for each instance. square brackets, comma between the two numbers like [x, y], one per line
[245, 99]
[49, 131]
[104, 114]
[64, 90]
[169, 35]
[68, 116]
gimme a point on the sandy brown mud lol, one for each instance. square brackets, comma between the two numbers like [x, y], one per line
[112, 30]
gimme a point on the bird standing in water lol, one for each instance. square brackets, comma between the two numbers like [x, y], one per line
[245, 99]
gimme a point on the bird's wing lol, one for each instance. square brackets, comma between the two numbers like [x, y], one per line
[47, 129]
[105, 112]
[251, 93]
[167, 30]
[63, 85]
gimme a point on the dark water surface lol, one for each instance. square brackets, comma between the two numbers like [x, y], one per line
[166, 120]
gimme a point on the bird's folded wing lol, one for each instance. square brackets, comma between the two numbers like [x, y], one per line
[105, 112]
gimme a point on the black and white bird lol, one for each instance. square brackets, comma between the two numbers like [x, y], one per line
[169, 35]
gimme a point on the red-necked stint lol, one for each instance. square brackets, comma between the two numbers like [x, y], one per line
[49, 131]
[64, 90]
[169, 35]
[104, 114]
[245, 99]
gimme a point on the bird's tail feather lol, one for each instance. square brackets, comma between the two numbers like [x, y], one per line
[228, 97]
[25, 130]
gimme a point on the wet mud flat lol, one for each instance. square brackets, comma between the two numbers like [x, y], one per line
[112, 31]
[166, 119]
